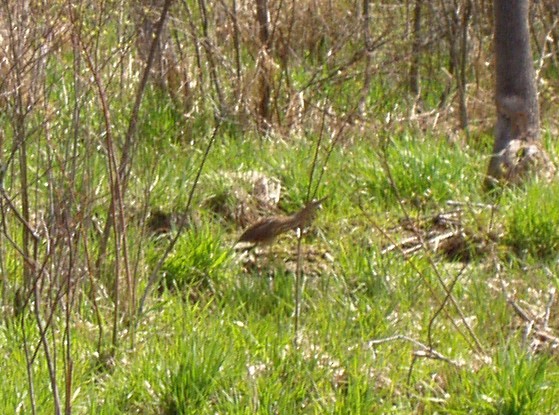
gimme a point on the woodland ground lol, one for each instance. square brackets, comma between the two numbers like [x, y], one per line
[377, 332]
[420, 292]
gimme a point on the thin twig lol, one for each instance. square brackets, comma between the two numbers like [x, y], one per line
[426, 351]
[434, 293]
[443, 304]
[124, 166]
[434, 267]
[549, 304]
[154, 276]
[127, 153]
[523, 314]
[116, 192]
[298, 289]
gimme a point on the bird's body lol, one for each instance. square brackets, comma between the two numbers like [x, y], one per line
[265, 231]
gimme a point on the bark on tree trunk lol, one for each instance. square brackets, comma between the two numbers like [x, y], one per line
[368, 51]
[264, 78]
[516, 150]
[416, 49]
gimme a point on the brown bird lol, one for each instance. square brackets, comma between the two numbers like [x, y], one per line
[265, 231]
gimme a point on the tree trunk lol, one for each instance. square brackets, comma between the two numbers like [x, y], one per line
[416, 49]
[462, 69]
[264, 72]
[516, 150]
[367, 75]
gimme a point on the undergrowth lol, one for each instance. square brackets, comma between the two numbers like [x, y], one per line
[123, 290]
[220, 337]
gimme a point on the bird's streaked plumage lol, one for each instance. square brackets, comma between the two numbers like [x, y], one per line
[265, 231]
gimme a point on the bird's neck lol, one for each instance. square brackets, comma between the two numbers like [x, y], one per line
[300, 218]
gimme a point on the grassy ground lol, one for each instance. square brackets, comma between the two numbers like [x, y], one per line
[420, 292]
[377, 331]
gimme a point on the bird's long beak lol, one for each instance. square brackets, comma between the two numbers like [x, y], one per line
[318, 202]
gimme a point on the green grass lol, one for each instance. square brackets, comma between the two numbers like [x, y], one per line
[217, 335]
[533, 221]
[518, 384]
[220, 339]
[198, 259]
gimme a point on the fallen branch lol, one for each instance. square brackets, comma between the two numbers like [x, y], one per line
[425, 351]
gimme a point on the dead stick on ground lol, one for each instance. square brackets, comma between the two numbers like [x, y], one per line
[476, 343]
